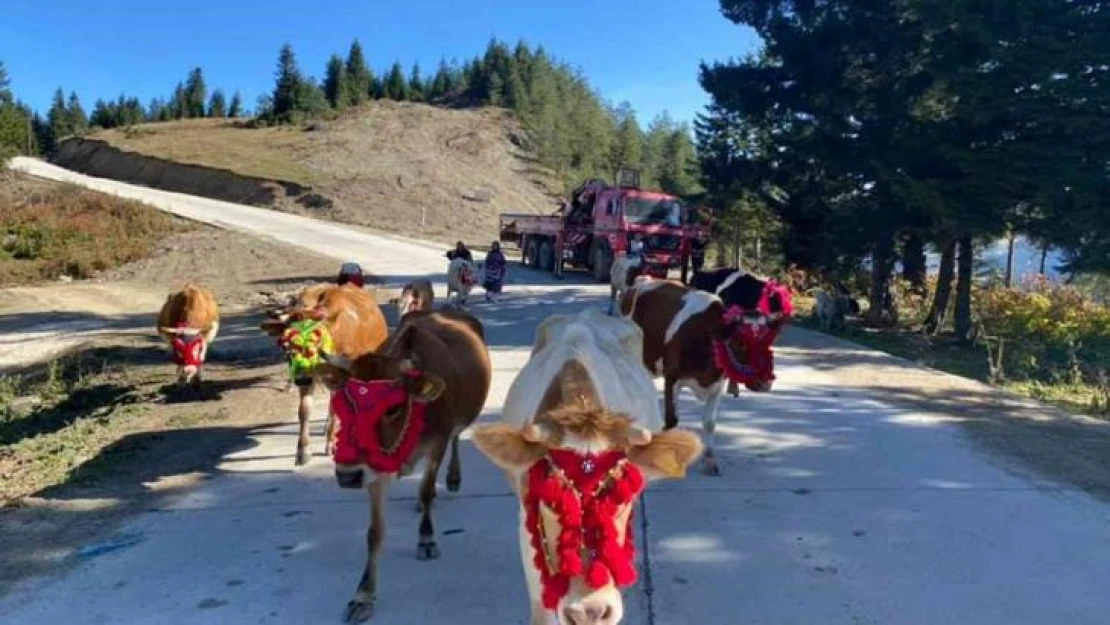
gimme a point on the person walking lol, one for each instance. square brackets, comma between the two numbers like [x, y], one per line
[460, 251]
[496, 269]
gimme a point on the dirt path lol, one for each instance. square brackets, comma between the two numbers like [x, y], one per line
[115, 438]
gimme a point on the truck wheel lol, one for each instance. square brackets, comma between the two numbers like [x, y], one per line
[546, 259]
[602, 263]
[528, 258]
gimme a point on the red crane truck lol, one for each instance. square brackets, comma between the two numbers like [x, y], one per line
[597, 225]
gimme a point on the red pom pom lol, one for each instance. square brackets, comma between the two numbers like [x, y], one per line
[598, 577]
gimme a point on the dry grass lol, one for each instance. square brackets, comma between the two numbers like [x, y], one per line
[48, 230]
[407, 168]
[270, 153]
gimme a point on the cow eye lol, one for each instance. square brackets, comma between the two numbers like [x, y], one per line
[394, 413]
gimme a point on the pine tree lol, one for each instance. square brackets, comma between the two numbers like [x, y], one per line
[58, 116]
[196, 94]
[288, 84]
[396, 88]
[416, 84]
[235, 109]
[337, 88]
[78, 120]
[440, 85]
[102, 115]
[217, 104]
[628, 145]
[5, 85]
[178, 104]
[360, 80]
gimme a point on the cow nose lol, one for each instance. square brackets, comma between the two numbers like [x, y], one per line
[589, 613]
[349, 478]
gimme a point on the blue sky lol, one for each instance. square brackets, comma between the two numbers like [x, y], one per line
[643, 51]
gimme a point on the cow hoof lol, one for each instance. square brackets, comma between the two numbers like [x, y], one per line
[427, 551]
[359, 611]
[711, 468]
[454, 483]
[302, 457]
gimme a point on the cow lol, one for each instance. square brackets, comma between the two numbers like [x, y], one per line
[408, 401]
[343, 319]
[189, 321]
[698, 339]
[580, 432]
[461, 278]
[622, 274]
[743, 290]
[416, 295]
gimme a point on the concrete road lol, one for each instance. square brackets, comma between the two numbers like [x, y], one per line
[833, 509]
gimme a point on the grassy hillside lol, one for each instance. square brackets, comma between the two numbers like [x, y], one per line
[49, 230]
[400, 167]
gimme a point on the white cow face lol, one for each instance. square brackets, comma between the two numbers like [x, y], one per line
[578, 473]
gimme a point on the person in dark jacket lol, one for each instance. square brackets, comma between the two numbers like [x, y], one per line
[460, 251]
[496, 269]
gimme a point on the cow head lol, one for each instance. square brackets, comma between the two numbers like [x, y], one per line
[380, 400]
[300, 327]
[189, 351]
[578, 471]
[755, 312]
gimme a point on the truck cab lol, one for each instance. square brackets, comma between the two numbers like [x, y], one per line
[598, 223]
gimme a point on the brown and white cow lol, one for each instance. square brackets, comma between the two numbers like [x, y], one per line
[693, 340]
[579, 437]
[345, 318]
[408, 401]
[189, 321]
[416, 295]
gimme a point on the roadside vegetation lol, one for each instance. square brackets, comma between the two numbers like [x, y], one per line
[50, 230]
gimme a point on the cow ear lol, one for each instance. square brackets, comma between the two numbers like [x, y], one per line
[428, 387]
[507, 447]
[666, 454]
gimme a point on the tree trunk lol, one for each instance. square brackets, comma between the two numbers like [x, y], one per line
[1010, 261]
[738, 241]
[938, 311]
[913, 263]
[880, 279]
[966, 263]
[1044, 257]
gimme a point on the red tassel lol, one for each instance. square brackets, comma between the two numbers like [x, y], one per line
[598, 576]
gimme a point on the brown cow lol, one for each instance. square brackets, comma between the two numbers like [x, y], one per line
[189, 321]
[345, 318]
[407, 402]
[692, 341]
[579, 435]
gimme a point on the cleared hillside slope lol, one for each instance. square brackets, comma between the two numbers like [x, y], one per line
[405, 168]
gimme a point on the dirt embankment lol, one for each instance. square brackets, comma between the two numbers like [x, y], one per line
[99, 158]
[399, 167]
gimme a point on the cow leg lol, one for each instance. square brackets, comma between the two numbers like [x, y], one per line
[539, 614]
[454, 468]
[329, 433]
[304, 410]
[426, 548]
[709, 425]
[361, 607]
[670, 413]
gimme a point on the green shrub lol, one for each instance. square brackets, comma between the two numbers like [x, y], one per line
[1051, 333]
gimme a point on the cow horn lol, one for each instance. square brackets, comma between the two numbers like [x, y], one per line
[639, 436]
[532, 433]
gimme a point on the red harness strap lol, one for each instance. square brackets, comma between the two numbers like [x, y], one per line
[585, 492]
[187, 350]
[360, 407]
